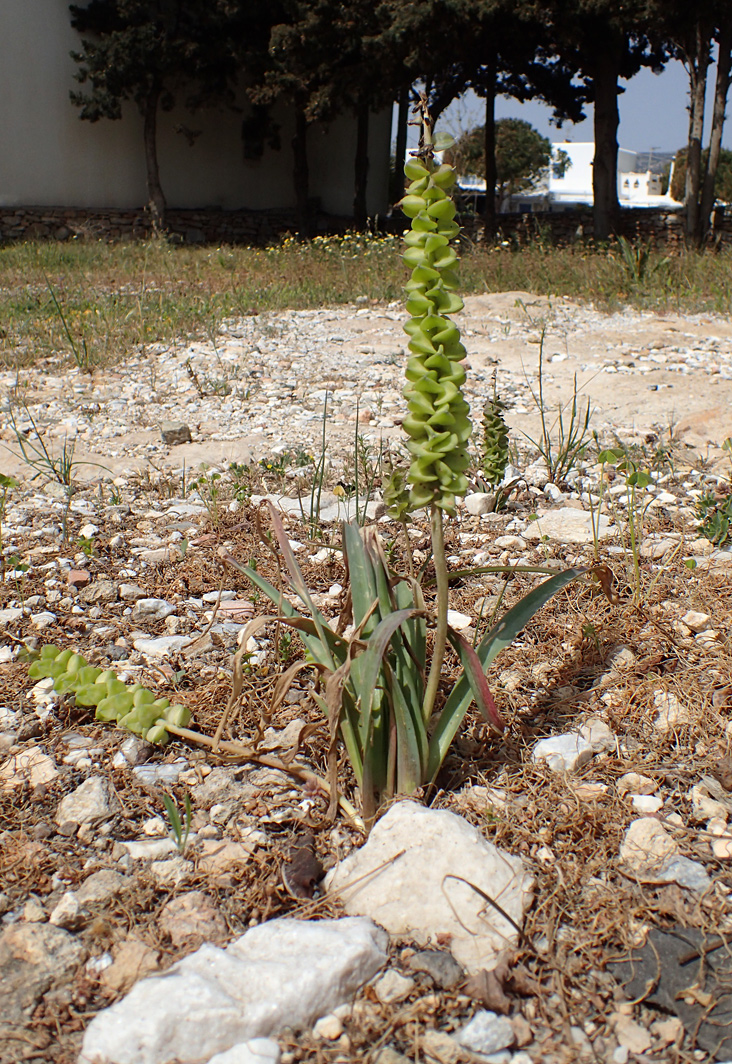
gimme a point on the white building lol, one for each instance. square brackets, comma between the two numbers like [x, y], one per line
[49, 157]
[574, 187]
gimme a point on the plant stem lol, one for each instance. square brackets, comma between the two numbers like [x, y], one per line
[441, 580]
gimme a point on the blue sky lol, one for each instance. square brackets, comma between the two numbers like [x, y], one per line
[653, 113]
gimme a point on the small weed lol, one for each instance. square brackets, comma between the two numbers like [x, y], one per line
[180, 830]
[715, 515]
[7, 484]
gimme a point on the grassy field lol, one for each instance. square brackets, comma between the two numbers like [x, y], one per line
[95, 302]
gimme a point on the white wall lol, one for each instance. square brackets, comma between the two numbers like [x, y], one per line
[49, 157]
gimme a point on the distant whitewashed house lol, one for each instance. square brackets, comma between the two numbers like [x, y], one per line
[561, 191]
[49, 157]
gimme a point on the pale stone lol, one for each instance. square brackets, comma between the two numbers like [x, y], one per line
[441, 1047]
[401, 878]
[43, 620]
[282, 973]
[668, 1030]
[148, 849]
[102, 885]
[458, 621]
[696, 621]
[670, 713]
[479, 503]
[633, 783]
[165, 646]
[171, 873]
[133, 960]
[567, 525]
[630, 1034]
[647, 847]
[703, 806]
[486, 1033]
[34, 958]
[32, 767]
[192, 915]
[646, 803]
[218, 856]
[67, 912]
[92, 802]
[328, 1027]
[563, 753]
[392, 986]
[598, 734]
[152, 609]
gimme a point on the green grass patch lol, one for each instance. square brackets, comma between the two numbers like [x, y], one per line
[95, 303]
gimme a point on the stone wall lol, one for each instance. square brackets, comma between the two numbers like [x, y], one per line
[188, 226]
[665, 229]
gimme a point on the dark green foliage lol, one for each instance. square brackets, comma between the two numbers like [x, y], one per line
[495, 441]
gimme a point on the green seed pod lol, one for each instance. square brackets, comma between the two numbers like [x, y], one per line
[157, 734]
[495, 441]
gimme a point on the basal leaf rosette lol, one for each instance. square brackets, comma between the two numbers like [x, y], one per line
[437, 424]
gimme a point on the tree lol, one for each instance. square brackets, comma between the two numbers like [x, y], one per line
[522, 156]
[146, 51]
[495, 47]
[723, 176]
[691, 32]
[604, 41]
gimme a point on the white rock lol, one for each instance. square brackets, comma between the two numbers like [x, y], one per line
[32, 767]
[633, 783]
[283, 973]
[392, 986]
[651, 855]
[152, 609]
[563, 753]
[510, 543]
[486, 1033]
[399, 879]
[10, 615]
[479, 503]
[631, 1035]
[43, 619]
[598, 734]
[567, 525]
[697, 621]
[703, 806]
[646, 803]
[459, 621]
[91, 802]
[328, 1027]
[88, 531]
[670, 712]
[148, 849]
[162, 647]
[66, 912]
[255, 1051]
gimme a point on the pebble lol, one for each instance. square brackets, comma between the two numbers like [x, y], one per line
[563, 753]
[392, 986]
[92, 802]
[670, 713]
[486, 1033]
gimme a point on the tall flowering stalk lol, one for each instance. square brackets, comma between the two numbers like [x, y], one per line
[438, 425]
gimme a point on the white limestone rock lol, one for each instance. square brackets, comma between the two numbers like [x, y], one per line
[283, 973]
[567, 525]
[563, 753]
[398, 878]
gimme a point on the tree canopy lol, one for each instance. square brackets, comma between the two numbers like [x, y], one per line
[522, 156]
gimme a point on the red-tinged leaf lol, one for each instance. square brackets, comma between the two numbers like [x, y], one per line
[477, 680]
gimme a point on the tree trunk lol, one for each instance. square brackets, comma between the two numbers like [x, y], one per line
[155, 196]
[721, 90]
[697, 63]
[397, 190]
[605, 164]
[301, 173]
[489, 148]
[360, 215]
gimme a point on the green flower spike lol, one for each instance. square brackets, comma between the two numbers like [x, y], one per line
[437, 424]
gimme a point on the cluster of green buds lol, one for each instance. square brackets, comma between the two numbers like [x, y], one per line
[437, 424]
[495, 440]
[132, 706]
